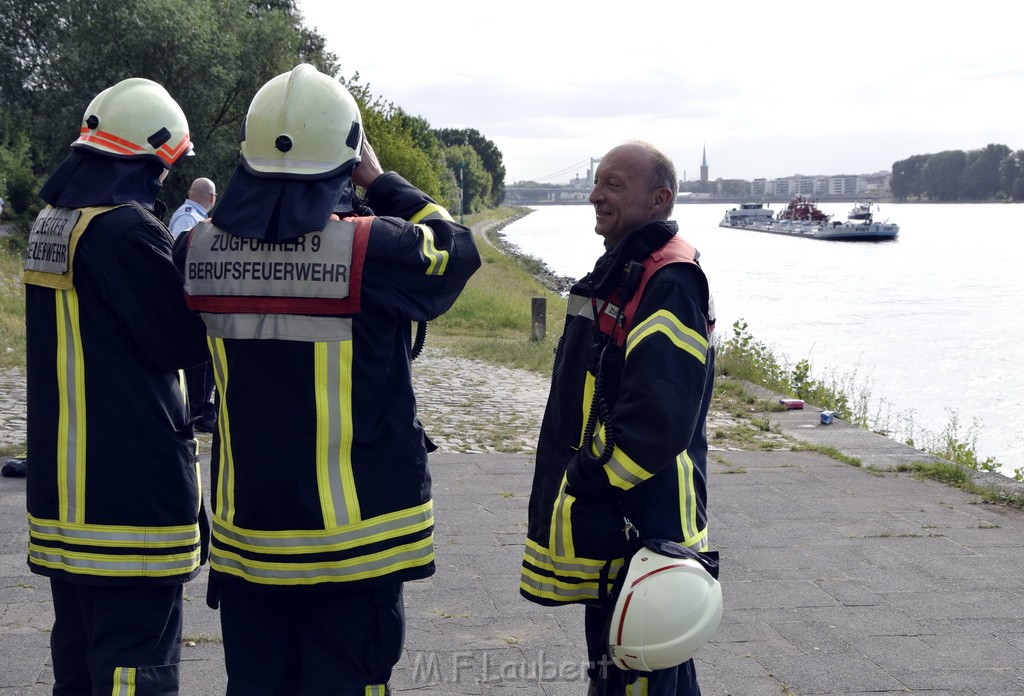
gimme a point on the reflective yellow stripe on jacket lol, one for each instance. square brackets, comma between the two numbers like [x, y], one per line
[694, 537]
[48, 537]
[665, 323]
[339, 503]
[563, 579]
[329, 555]
[71, 415]
[225, 494]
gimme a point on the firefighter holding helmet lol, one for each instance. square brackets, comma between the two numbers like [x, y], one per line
[321, 493]
[618, 515]
[113, 494]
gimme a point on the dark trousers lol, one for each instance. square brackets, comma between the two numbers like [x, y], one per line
[678, 681]
[104, 636]
[310, 641]
[200, 384]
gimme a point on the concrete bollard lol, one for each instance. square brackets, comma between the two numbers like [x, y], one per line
[539, 323]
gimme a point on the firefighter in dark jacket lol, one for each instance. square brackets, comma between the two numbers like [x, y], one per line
[622, 447]
[322, 506]
[113, 491]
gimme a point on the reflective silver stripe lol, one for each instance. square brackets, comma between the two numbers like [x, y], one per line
[410, 555]
[318, 541]
[317, 264]
[681, 335]
[376, 690]
[586, 569]
[124, 681]
[550, 589]
[285, 327]
[295, 166]
[687, 495]
[224, 497]
[627, 478]
[339, 500]
[559, 525]
[437, 259]
[580, 305]
[115, 536]
[71, 430]
[114, 565]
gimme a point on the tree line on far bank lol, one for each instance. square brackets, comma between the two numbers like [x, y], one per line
[211, 56]
[992, 173]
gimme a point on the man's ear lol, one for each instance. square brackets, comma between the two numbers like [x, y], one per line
[662, 197]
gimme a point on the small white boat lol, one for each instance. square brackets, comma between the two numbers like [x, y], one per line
[861, 211]
[748, 212]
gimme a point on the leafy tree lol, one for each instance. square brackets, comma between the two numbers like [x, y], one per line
[475, 179]
[56, 55]
[906, 177]
[18, 185]
[981, 179]
[490, 157]
[943, 175]
[1011, 175]
[403, 143]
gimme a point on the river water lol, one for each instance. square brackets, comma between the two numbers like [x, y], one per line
[926, 328]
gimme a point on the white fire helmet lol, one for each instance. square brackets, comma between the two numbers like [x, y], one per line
[301, 124]
[667, 610]
[136, 118]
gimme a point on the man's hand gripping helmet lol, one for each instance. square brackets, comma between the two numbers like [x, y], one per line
[136, 118]
[302, 124]
[667, 610]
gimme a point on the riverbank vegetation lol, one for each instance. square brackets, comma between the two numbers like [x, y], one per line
[492, 319]
[742, 356]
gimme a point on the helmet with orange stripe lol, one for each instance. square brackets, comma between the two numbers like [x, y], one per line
[136, 118]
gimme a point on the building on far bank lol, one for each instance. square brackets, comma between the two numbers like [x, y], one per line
[876, 184]
[849, 186]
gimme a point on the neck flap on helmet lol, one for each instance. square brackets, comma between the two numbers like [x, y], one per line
[275, 209]
[85, 178]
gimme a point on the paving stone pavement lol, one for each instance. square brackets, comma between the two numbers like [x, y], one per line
[837, 579]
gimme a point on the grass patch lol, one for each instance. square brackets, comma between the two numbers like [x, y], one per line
[12, 309]
[492, 319]
[828, 452]
[959, 476]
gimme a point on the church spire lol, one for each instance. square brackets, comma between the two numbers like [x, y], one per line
[704, 164]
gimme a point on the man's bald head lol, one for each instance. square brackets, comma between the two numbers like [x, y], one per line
[203, 191]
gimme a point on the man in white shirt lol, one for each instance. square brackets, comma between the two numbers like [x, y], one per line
[199, 379]
[201, 197]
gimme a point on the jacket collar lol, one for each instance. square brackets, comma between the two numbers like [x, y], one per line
[636, 246]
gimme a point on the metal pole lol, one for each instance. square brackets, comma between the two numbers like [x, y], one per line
[462, 194]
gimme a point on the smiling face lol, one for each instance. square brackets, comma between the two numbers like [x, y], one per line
[625, 195]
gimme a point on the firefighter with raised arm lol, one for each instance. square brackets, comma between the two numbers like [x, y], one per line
[113, 490]
[321, 492]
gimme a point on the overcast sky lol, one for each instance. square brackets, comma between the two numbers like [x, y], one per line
[771, 89]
